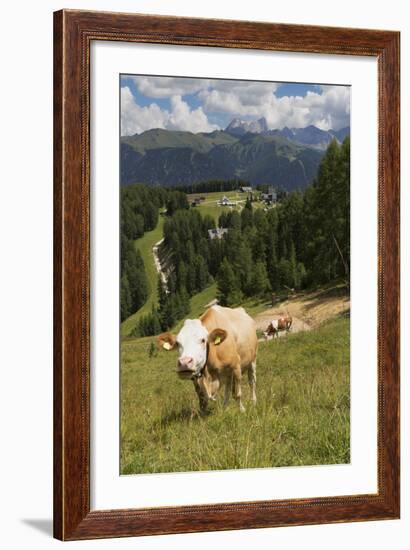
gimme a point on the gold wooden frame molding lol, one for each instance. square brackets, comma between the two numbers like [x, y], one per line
[73, 33]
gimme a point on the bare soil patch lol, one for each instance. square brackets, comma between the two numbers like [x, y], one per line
[308, 310]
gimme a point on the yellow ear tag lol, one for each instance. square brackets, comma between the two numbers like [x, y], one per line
[167, 346]
[217, 341]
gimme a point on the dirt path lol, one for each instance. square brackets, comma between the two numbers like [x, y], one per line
[157, 261]
[308, 310]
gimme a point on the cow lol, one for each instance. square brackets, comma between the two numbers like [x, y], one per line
[276, 325]
[216, 349]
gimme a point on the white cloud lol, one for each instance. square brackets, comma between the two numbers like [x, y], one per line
[161, 86]
[136, 119]
[327, 110]
[165, 87]
[237, 97]
[183, 118]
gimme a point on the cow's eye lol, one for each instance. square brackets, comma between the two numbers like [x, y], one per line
[202, 340]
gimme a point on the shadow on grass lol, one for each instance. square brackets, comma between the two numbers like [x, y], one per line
[184, 415]
[324, 295]
[345, 314]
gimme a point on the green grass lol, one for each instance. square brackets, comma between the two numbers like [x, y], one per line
[144, 245]
[213, 211]
[301, 418]
[255, 305]
[209, 205]
[216, 195]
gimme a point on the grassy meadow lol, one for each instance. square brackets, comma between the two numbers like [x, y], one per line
[210, 207]
[301, 418]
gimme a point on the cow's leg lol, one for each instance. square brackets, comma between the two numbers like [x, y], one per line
[252, 380]
[228, 388]
[213, 388]
[202, 396]
[237, 375]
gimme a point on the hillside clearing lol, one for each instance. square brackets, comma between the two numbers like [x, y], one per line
[210, 205]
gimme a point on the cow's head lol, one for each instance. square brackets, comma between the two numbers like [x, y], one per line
[192, 343]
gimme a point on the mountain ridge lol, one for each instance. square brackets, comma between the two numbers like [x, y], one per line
[309, 135]
[287, 158]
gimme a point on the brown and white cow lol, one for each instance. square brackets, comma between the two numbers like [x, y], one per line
[276, 325]
[217, 348]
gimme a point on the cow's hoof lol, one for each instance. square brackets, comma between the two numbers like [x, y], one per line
[242, 408]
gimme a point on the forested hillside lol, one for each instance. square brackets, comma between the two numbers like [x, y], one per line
[175, 158]
[302, 242]
[139, 213]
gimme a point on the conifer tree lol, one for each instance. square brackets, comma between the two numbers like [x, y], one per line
[294, 275]
[260, 280]
[167, 314]
[285, 276]
[182, 275]
[247, 215]
[184, 299]
[228, 287]
[201, 273]
[125, 298]
[156, 324]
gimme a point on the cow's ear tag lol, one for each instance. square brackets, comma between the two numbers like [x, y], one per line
[166, 345]
[217, 341]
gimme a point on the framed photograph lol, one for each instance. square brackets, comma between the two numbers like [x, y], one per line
[226, 275]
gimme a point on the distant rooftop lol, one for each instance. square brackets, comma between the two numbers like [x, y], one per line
[217, 233]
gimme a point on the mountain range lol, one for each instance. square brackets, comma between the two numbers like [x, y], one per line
[287, 158]
[310, 135]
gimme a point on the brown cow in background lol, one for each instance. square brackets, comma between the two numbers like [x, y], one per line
[276, 325]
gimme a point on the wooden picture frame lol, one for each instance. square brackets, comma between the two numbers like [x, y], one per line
[74, 32]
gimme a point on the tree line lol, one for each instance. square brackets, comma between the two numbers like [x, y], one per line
[211, 186]
[302, 242]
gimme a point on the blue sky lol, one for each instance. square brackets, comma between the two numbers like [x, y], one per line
[204, 105]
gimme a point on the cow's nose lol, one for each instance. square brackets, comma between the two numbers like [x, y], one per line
[186, 362]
